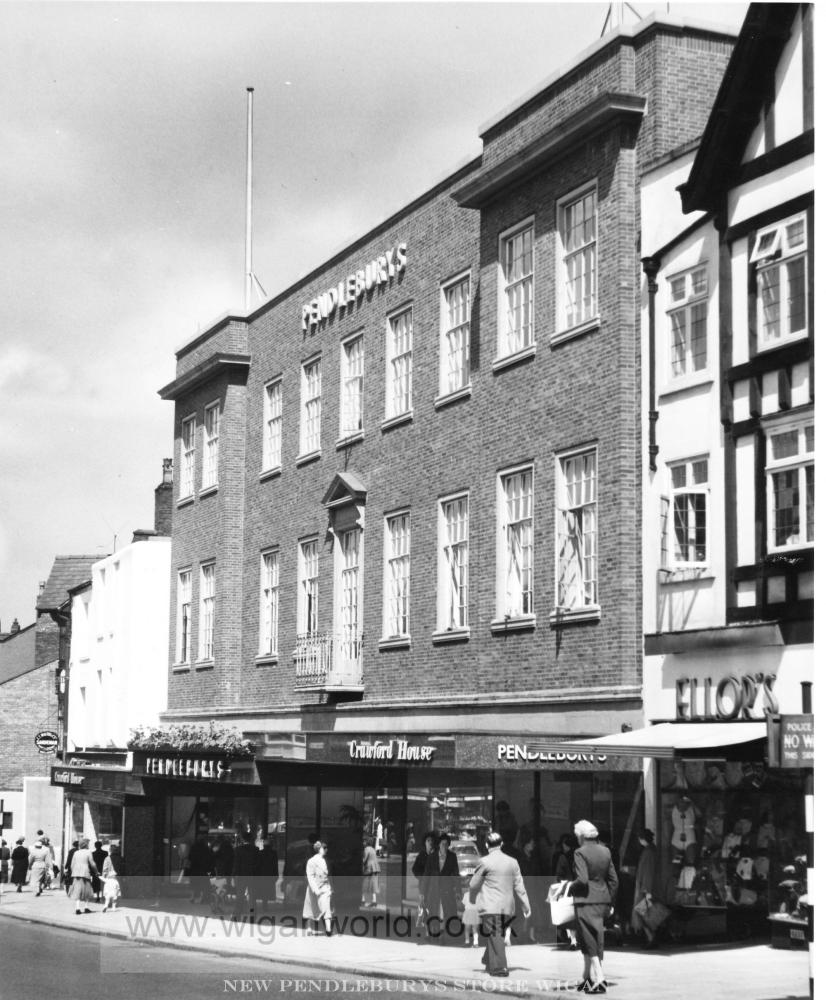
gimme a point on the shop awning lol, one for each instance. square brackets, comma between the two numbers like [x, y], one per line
[672, 739]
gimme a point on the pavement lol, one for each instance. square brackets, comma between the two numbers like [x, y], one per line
[374, 945]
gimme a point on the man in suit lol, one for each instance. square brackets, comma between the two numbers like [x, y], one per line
[493, 887]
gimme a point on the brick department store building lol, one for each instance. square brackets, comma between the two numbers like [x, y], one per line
[405, 549]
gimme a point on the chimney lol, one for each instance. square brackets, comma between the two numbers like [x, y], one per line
[15, 627]
[163, 500]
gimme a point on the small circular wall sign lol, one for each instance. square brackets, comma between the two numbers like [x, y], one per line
[46, 742]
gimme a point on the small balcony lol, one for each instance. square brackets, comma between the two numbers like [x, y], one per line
[326, 661]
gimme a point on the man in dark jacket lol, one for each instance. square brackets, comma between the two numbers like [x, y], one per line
[244, 869]
[493, 887]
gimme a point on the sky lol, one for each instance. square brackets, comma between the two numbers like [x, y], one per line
[122, 200]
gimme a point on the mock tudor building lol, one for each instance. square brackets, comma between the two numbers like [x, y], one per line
[729, 575]
[728, 491]
[405, 546]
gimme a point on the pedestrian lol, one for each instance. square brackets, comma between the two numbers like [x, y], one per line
[98, 856]
[647, 887]
[67, 868]
[267, 873]
[109, 875]
[442, 891]
[369, 874]
[51, 867]
[244, 870]
[200, 865]
[494, 886]
[595, 887]
[470, 920]
[83, 870]
[39, 861]
[563, 871]
[19, 863]
[318, 900]
[5, 856]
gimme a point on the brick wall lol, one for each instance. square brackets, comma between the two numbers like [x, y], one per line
[28, 704]
[585, 391]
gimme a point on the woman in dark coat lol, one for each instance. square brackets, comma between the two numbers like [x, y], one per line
[440, 888]
[648, 884]
[595, 888]
[19, 864]
[98, 856]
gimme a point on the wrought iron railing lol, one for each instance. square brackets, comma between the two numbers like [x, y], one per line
[326, 660]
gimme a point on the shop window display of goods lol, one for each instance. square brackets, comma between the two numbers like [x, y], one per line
[733, 837]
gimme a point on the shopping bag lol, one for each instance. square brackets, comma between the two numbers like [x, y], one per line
[652, 913]
[562, 904]
[420, 915]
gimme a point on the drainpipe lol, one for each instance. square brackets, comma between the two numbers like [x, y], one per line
[650, 266]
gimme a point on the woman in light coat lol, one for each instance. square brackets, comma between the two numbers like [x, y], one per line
[318, 900]
[40, 861]
[84, 870]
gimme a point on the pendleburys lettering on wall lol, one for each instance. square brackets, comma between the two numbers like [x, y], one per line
[375, 274]
[534, 753]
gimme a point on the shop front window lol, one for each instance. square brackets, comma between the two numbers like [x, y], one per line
[217, 822]
[731, 835]
[461, 805]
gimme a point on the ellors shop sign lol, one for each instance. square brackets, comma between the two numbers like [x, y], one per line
[747, 696]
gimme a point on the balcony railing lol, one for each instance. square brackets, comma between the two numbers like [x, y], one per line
[325, 661]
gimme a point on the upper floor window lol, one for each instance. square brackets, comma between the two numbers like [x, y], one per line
[349, 625]
[516, 282]
[688, 318]
[577, 221]
[790, 475]
[272, 426]
[352, 386]
[780, 259]
[397, 575]
[311, 407]
[268, 640]
[400, 363]
[206, 632]
[187, 456]
[308, 587]
[577, 531]
[453, 563]
[210, 469]
[689, 513]
[515, 545]
[455, 341]
[184, 623]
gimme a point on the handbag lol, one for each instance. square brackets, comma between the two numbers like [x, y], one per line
[652, 913]
[562, 904]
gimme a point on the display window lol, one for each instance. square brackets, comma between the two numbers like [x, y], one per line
[733, 833]
[213, 822]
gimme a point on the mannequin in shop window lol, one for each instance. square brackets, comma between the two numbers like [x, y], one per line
[683, 838]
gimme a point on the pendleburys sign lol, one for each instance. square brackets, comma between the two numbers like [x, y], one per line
[46, 741]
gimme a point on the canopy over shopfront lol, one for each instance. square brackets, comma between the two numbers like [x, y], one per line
[672, 739]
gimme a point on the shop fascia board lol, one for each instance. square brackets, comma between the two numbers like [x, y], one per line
[723, 637]
[218, 364]
[607, 109]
